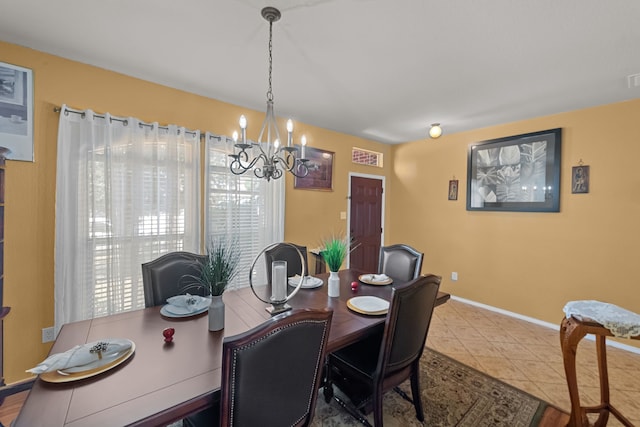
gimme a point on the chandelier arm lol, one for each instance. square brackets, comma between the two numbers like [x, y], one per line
[236, 165]
[297, 167]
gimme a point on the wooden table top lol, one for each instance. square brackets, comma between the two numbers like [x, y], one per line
[163, 382]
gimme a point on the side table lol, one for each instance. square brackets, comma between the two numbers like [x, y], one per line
[572, 331]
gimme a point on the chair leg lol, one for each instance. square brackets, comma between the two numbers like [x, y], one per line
[328, 385]
[377, 408]
[415, 392]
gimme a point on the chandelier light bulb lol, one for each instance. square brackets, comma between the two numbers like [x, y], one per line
[235, 136]
[435, 131]
[243, 122]
[303, 141]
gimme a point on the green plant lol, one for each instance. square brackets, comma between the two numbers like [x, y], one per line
[220, 266]
[335, 251]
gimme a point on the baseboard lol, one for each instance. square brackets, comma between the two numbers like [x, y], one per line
[539, 322]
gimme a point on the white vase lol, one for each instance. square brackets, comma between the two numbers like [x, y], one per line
[334, 284]
[216, 313]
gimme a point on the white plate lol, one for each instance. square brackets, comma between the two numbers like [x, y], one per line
[169, 310]
[309, 282]
[368, 305]
[370, 279]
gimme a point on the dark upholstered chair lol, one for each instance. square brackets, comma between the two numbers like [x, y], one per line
[367, 369]
[400, 262]
[287, 252]
[271, 374]
[166, 276]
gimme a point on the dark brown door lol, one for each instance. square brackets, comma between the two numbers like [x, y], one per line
[366, 222]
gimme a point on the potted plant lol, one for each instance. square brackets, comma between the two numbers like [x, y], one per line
[218, 269]
[334, 253]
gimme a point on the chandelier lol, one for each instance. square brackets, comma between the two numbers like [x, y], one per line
[272, 157]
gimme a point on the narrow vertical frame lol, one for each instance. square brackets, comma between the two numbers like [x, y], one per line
[16, 111]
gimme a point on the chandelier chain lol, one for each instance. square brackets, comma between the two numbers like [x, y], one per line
[270, 92]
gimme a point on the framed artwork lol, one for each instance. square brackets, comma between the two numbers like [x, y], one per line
[515, 173]
[16, 111]
[580, 179]
[320, 170]
[453, 189]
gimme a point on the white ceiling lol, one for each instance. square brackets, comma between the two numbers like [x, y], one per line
[379, 69]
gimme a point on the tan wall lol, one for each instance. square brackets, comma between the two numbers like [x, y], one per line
[523, 262]
[530, 263]
[30, 187]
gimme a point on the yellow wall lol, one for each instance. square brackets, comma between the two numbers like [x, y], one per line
[523, 262]
[30, 187]
[530, 263]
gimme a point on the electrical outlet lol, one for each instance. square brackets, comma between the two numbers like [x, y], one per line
[454, 276]
[48, 334]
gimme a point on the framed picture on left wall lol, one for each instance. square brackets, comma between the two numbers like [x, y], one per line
[16, 111]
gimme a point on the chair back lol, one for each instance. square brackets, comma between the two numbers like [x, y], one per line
[271, 374]
[400, 262]
[166, 276]
[407, 324]
[287, 252]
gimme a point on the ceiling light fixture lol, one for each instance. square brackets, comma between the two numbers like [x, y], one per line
[435, 131]
[274, 157]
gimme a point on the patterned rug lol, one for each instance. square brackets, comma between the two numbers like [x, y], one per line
[453, 394]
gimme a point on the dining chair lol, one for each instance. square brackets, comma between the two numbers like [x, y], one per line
[168, 276]
[287, 252]
[367, 369]
[271, 373]
[400, 262]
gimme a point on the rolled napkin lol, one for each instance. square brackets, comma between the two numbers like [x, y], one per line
[378, 277]
[184, 304]
[84, 354]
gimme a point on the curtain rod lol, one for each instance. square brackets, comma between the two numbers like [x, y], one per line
[123, 121]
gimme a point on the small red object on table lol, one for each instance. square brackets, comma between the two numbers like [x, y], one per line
[168, 334]
[354, 286]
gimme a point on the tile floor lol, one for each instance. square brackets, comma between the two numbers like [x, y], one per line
[528, 356]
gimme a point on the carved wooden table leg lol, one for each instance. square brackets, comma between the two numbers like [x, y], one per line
[570, 335]
[601, 348]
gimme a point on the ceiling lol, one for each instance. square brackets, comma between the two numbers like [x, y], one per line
[380, 69]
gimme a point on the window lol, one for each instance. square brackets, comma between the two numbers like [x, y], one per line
[366, 157]
[241, 207]
[127, 192]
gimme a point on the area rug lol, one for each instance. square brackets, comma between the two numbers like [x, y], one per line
[453, 394]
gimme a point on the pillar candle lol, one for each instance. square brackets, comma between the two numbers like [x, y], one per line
[278, 280]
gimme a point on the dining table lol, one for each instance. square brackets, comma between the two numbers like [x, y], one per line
[163, 382]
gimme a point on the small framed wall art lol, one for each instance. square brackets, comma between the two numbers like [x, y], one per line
[453, 189]
[320, 171]
[580, 179]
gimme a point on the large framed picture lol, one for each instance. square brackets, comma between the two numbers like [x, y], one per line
[16, 111]
[320, 174]
[515, 173]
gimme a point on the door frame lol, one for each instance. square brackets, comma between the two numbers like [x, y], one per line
[383, 204]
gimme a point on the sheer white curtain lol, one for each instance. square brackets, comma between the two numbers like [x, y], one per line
[241, 207]
[126, 192]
